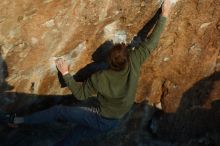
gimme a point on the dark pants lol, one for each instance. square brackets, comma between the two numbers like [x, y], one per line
[89, 122]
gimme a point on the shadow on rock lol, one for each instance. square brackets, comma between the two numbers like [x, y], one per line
[194, 122]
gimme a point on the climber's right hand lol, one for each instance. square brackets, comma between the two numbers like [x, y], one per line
[166, 8]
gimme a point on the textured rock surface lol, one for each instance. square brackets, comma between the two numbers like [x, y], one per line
[178, 76]
[188, 52]
[34, 33]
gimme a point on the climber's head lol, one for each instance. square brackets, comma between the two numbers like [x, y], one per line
[118, 57]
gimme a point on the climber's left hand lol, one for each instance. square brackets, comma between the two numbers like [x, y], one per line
[62, 66]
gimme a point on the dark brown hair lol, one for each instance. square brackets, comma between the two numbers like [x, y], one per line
[118, 57]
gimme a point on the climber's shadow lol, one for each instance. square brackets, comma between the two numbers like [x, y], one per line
[99, 63]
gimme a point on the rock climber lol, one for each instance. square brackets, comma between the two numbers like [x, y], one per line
[114, 88]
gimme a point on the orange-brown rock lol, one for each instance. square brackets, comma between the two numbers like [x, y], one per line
[188, 52]
[34, 33]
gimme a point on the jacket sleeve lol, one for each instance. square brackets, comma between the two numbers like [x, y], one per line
[140, 54]
[83, 90]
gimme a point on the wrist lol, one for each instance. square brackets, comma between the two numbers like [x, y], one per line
[64, 73]
[165, 14]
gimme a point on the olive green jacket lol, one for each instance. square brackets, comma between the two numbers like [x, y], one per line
[115, 90]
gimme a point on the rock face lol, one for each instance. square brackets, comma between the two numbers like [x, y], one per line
[180, 76]
[188, 52]
[34, 33]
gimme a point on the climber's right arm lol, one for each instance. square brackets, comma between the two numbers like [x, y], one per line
[140, 54]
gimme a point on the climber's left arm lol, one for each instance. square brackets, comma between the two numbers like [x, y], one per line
[81, 91]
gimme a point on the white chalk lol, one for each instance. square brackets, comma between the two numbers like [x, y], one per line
[204, 25]
[34, 40]
[119, 37]
[173, 1]
[112, 32]
[77, 52]
[52, 64]
[49, 23]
